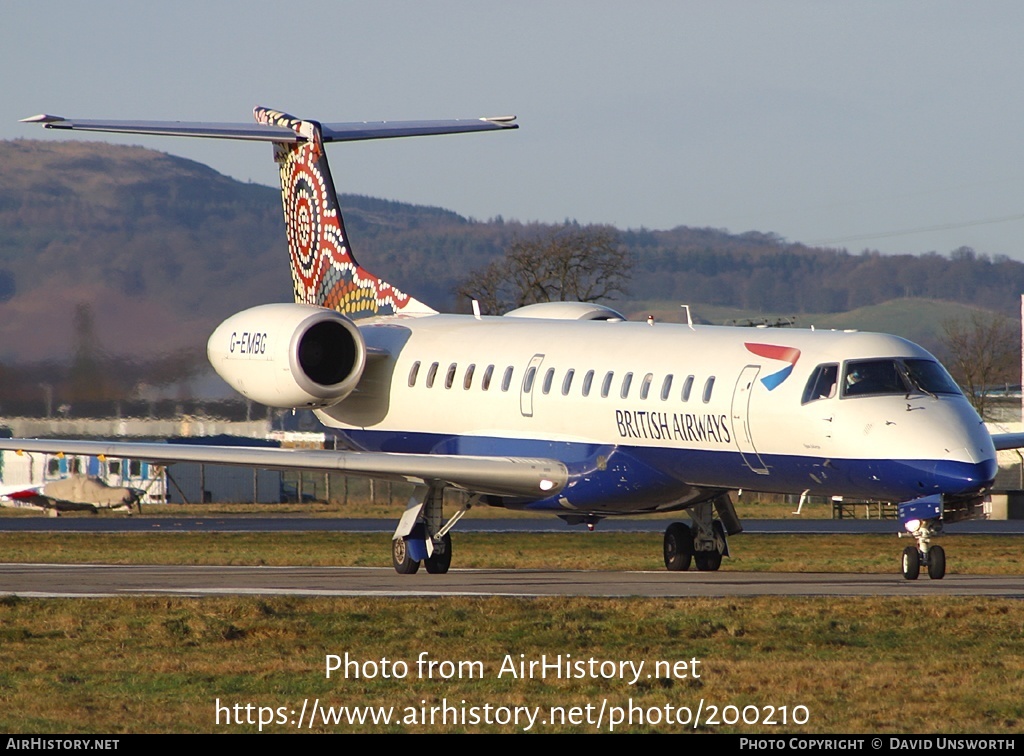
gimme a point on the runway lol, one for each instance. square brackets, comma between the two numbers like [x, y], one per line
[52, 581]
[289, 524]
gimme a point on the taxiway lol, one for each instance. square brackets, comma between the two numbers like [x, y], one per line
[53, 580]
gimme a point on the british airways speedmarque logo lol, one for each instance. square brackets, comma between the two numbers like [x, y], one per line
[775, 352]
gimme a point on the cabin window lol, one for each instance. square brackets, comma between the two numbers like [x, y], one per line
[114, 467]
[709, 385]
[449, 378]
[588, 380]
[687, 388]
[468, 380]
[567, 381]
[821, 384]
[431, 375]
[75, 468]
[413, 372]
[134, 468]
[53, 466]
[485, 381]
[627, 381]
[666, 387]
[645, 387]
[506, 380]
[548, 378]
[606, 384]
[531, 373]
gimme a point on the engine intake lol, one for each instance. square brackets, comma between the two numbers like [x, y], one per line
[289, 355]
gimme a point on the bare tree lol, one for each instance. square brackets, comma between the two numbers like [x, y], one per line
[570, 263]
[490, 286]
[984, 351]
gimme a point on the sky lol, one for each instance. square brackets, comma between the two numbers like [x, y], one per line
[894, 126]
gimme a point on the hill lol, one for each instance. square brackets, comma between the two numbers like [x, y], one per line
[152, 251]
[764, 273]
[919, 320]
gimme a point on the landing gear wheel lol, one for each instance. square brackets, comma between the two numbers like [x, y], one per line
[936, 563]
[678, 547]
[911, 563]
[710, 561]
[404, 564]
[439, 563]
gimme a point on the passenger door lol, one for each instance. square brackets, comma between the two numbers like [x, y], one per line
[741, 419]
[529, 383]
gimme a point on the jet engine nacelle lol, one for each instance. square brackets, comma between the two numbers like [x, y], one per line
[289, 355]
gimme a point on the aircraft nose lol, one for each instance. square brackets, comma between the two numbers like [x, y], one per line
[963, 477]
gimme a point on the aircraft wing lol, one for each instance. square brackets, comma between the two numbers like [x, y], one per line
[500, 476]
[1006, 441]
[262, 132]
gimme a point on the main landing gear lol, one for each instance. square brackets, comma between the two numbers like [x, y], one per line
[422, 535]
[704, 543]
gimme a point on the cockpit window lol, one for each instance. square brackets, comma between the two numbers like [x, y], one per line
[909, 376]
[870, 377]
[821, 384]
[931, 377]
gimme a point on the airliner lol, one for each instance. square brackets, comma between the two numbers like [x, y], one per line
[566, 407]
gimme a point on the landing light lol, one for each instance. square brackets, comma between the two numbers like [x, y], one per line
[912, 525]
[547, 485]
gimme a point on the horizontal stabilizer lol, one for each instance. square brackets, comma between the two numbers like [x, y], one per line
[349, 132]
[325, 273]
[499, 476]
[263, 132]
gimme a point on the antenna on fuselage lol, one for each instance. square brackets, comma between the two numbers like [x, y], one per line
[689, 320]
[476, 309]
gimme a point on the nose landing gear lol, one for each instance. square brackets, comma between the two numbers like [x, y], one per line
[934, 560]
[923, 529]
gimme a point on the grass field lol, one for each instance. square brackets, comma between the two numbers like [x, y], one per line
[872, 665]
[855, 665]
[573, 549]
[389, 503]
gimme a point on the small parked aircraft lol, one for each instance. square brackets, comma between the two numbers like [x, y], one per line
[76, 493]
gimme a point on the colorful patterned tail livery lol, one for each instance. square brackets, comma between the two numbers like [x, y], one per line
[324, 272]
[775, 352]
[323, 269]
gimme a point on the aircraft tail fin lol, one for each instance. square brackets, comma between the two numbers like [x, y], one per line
[324, 271]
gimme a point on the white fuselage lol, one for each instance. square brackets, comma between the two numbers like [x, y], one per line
[686, 410]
